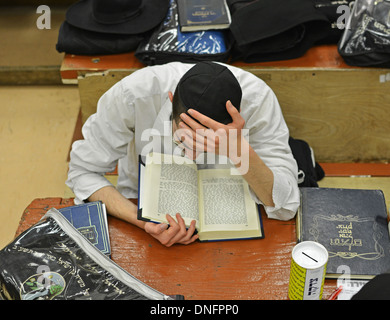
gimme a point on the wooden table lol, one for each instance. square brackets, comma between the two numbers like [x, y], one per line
[227, 270]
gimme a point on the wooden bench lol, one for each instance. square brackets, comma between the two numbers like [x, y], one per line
[341, 111]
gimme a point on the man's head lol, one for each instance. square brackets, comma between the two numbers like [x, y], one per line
[206, 87]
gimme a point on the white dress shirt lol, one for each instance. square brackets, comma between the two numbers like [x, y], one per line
[133, 118]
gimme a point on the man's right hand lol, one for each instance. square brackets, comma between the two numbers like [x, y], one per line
[176, 233]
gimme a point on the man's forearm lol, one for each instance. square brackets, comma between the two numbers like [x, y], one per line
[122, 208]
[258, 175]
[117, 205]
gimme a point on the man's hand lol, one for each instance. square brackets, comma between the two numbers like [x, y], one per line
[118, 206]
[229, 140]
[211, 136]
[176, 233]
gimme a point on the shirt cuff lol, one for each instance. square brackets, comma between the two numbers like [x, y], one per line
[85, 185]
[285, 198]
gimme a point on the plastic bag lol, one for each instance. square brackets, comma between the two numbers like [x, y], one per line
[335, 12]
[167, 43]
[366, 39]
[52, 260]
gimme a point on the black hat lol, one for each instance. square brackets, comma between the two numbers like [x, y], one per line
[206, 87]
[270, 30]
[117, 16]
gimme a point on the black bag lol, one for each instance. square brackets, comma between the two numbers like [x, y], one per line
[309, 171]
[366, 38]
[336, 12]
[167, 43]
[270, 30]
[52, 260]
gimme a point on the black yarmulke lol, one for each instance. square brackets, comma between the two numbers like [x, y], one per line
[206, 87]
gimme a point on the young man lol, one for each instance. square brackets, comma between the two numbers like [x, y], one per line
[214, 105]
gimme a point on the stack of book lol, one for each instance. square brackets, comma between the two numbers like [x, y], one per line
[90, 219]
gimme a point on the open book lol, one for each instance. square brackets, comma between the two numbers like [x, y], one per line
[220, 202]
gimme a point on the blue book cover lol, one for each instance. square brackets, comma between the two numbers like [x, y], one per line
[198, 15]
[90, 219]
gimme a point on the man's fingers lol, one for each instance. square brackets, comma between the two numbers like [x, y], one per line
[155, 229]
[192, 141]
[176, 233]
[201, 140]
[190, 234]
[191, 240]
[189, 123]
[205, 121]
[237, 120]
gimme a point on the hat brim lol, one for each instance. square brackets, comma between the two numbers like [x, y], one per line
[80, 15]
[268, 18]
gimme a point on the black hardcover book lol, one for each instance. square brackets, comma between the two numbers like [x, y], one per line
[199, 15]
[352, 224]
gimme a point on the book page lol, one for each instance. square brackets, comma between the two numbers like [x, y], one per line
[178, 191]
[170, 187]
[349, 287]
[231, 191]
[225, 201]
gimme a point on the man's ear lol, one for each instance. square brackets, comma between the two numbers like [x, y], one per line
[170, 95]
